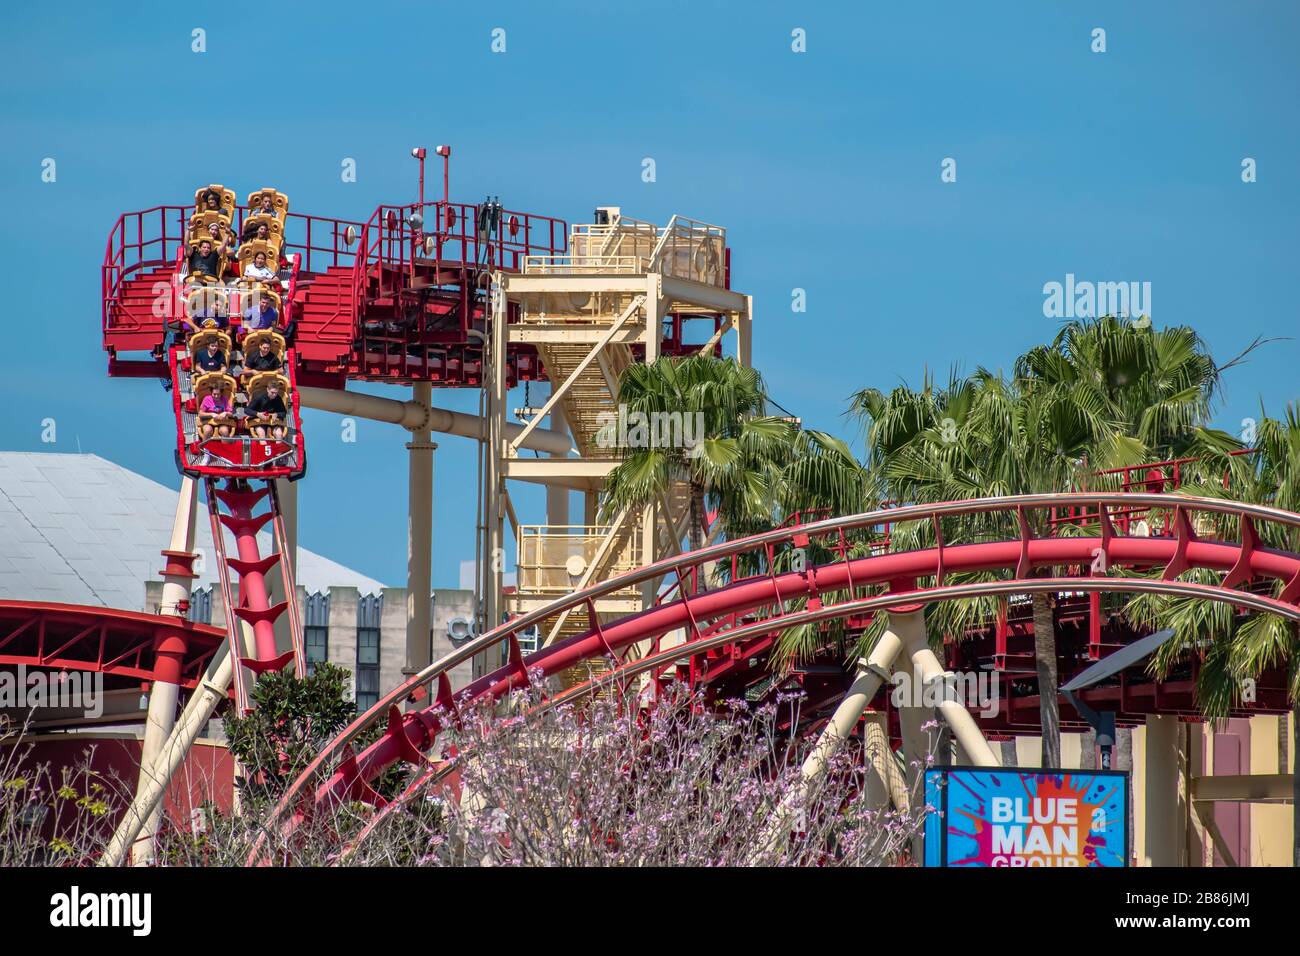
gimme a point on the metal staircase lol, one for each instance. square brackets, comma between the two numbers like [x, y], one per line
[591, 313]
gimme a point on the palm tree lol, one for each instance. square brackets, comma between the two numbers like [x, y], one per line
[1159, 383]
[987, 436]
[735, 451]
[1236, 647]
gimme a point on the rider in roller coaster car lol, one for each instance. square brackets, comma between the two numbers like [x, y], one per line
[212, 203]
[205, 260]
[262, 315]
[211, 359]
[216, 413]
[267, 413]
[263, 360]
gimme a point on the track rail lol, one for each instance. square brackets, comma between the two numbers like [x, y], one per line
[830, 591]
[113, 642]
[435, 772]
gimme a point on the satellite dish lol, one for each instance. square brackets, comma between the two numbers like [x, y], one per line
[430, 243]
[349, 235]
[1114, 663]
[391, 220]
[514, 226]
[451, 218]
[575, 565]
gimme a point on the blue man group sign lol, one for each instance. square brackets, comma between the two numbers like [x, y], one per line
[1026, 817]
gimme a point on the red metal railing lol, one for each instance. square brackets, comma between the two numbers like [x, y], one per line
[391, 245]
[384, 250]
[139, 240]
[1157, 477]
[320, 240]
[157, 237]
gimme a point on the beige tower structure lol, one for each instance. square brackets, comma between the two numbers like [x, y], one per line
[623, 294]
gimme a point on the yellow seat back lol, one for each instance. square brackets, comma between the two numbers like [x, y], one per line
[227, 201]
[250, 292]
[210, 382]
[274, 226]
[278, 200]
[253, 341]
[200, 221]
[252, 247]
[207, 300]
[257, 385]
[199, 342]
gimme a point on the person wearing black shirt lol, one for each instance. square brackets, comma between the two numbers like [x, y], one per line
[264, 360]
[206, 260]
[268, 413]
[211, 359]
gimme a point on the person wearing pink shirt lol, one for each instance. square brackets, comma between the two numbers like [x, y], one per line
[215, 413]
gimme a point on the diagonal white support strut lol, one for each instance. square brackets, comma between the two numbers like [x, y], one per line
[906, 632]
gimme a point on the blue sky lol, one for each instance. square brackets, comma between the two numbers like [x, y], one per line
[824, 166]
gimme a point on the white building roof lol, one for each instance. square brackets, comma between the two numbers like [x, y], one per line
[77, 529]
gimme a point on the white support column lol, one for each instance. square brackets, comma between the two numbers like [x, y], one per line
[494, 533]
[154, 777]
[653, 316]
[872, 671]
[927, 668]
[916, 747]
[745, 334]
[164, 694]
[419, 539]
[884, 781]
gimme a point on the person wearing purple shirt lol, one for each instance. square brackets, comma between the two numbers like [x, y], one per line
[261, 316]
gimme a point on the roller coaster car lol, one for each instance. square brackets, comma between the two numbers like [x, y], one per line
[279, 201]
[227, 199]
[241, 453]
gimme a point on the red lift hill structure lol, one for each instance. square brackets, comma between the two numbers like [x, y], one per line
[439, 294]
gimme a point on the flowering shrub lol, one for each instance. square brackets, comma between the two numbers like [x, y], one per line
[606, 783]
[600, 782]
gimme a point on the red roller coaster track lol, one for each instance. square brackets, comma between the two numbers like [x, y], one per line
[760, 606]
[125, 644]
